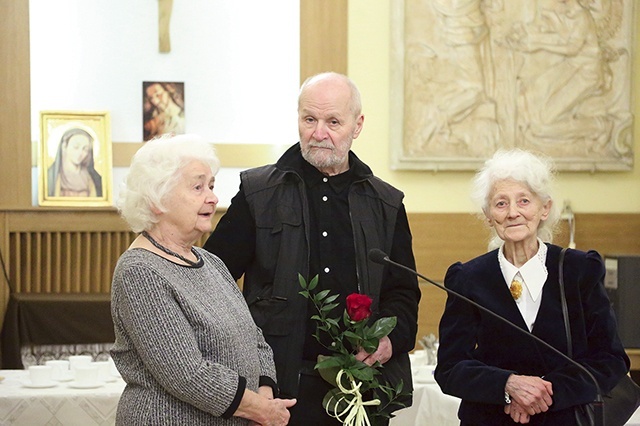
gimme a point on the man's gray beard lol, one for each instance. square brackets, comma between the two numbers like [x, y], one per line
[332, 161]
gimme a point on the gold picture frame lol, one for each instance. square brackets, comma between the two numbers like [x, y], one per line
[75, 160]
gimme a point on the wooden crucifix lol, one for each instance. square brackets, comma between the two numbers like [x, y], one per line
[164, 18]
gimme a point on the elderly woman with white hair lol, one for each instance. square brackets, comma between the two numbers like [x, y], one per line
[186, 344]
[502, 375]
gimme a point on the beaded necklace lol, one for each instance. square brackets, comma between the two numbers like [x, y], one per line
[198, 262]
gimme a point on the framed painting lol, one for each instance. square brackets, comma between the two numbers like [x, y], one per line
[471, 76]
[162, 109]
[75, 159]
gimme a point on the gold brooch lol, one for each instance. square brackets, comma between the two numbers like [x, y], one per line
[516, 289]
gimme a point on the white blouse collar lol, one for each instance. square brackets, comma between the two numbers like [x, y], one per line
[533, 273]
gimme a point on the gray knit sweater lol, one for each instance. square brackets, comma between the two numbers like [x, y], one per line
[185, 341]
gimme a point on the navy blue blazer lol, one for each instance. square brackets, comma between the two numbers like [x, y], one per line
[478, 353]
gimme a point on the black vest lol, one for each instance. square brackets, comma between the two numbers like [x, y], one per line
[278, 202]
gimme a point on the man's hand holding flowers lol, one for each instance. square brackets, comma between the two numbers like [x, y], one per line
[381, 355]
[359, 349]
[358, 309]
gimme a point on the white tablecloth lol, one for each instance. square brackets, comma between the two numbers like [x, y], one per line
[430, 408]
[59, 405]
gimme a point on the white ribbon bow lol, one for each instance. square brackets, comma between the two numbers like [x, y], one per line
[355, 413]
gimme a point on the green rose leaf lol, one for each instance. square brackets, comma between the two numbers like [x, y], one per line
[382, 327]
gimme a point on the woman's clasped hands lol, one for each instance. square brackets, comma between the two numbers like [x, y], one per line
[277, 413]
[529, 396]
[262, 409]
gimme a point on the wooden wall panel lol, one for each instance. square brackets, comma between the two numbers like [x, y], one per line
[15, 108]
[323, 36]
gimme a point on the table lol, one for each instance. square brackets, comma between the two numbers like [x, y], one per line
[430, 407]
[58, 405]
[46, 319]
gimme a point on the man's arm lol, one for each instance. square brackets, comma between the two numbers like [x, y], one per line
[234, 238]
[400, 293]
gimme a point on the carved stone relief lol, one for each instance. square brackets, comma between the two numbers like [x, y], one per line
[472, 76]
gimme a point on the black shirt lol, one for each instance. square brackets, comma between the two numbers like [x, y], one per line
[332, 251]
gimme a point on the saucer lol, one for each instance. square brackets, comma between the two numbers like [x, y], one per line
[49, 384]
[76, 385]
[66, 377]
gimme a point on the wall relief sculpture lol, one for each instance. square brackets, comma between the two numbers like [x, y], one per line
[472, 76]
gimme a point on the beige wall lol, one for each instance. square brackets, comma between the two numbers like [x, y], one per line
[366, 24]
[369, 65]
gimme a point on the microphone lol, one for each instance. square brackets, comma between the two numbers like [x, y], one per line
[380, 257]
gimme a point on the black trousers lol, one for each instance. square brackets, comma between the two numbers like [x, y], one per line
[308, 411]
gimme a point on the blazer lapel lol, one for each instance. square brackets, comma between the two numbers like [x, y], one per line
[498, 298]
[549, 319]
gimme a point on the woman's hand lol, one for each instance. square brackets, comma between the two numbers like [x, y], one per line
[267, 392]
[533, 394]
[262, 410]
[277, 412]
[517, 412]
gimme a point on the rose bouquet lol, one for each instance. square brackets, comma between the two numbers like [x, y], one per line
[358, 398]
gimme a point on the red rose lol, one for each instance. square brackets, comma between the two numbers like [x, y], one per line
[358, 306]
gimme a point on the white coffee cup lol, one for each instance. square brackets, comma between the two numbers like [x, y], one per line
[86, 374]
[60, 368]
[104, 370]
[77, 360]
[40, 374]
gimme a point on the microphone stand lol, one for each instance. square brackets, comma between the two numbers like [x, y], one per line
[380, 257]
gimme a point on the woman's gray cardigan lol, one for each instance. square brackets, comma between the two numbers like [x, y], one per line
[185, 342]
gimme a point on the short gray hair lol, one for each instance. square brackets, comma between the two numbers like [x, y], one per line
[154, 172]
[356, 100]
[535, 171]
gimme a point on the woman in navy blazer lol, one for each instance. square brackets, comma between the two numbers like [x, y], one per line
[502, 375]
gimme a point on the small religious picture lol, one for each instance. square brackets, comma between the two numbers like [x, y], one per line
[75, 161]
[162, 108]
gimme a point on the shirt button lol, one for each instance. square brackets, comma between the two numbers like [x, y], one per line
[324, 198]
[326, 270]
[325, 179]
[324, 233]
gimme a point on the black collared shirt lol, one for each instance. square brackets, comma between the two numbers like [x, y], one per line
[332, 250]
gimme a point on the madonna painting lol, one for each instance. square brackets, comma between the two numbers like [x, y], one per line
[75, 167]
